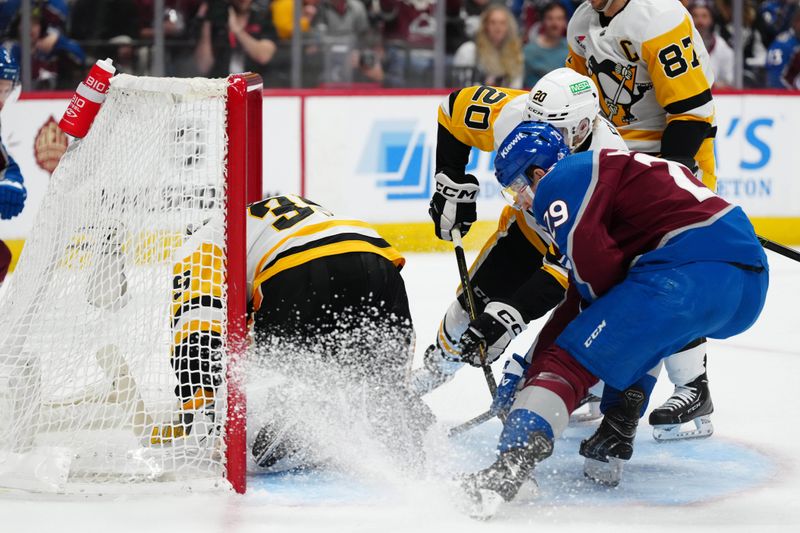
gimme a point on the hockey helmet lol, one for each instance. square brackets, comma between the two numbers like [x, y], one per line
[530, 144]
[568, 101]
[9, 71]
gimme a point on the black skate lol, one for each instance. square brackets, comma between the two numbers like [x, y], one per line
[501, 481]
[612, 444]
[273, 449]
[689, 403]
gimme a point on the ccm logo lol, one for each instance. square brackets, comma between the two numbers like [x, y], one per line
[509, 319]
[458, 194]
[588, 342]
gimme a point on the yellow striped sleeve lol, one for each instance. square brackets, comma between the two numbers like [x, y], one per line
[680, 85]
[471, 117]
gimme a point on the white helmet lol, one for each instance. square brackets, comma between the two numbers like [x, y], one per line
[566, 100]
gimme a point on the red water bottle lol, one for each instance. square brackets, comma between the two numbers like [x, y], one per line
[88, 98]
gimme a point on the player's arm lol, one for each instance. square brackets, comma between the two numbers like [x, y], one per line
[452, 154]
[683, 88]
[197, 327]
[576, 62]
[576, 213]
[12, 188]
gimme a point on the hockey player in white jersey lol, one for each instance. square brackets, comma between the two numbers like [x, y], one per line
[482, 117]
[654, 77]
[323, 285]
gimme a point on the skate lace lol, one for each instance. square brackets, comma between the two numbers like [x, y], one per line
[683, 396]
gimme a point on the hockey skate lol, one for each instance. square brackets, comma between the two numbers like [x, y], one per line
[436, 370]
[689, 403]
[500, 482]
[612, 444]
[274, 449]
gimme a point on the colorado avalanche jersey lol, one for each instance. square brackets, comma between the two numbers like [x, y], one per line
[610, 211]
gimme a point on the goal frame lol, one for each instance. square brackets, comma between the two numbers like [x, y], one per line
[244, 185]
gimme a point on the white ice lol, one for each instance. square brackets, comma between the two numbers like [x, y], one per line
[744, 478]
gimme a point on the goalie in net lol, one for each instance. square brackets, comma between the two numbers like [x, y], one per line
[319, 286]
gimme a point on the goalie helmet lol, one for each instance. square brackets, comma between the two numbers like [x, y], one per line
[566, 100]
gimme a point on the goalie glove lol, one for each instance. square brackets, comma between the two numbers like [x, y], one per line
[12, 198]
[453, 204]
[495, 328]
[515, 368]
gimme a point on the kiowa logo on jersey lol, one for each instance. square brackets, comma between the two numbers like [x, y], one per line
[401, 155]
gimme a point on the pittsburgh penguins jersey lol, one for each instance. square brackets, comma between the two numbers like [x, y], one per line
[283, 232]
[286, 231]
[482, 116]
[649, 64]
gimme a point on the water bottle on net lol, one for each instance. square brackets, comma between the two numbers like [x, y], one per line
[88, 98]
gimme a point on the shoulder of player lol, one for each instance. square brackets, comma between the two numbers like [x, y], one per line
[578, 24]
[650, 19]
[605, 135]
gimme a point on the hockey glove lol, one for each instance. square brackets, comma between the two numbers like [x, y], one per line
[454, 204]
[515, 368]
[495, 328]
[12, 199]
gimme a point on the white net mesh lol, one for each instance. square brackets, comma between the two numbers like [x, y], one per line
[87, 374]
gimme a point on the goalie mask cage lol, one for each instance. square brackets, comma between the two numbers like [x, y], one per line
[90, 317]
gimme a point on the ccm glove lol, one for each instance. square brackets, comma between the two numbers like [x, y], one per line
[453, 204]
[515, 368]
[495, 328]
[12, 199]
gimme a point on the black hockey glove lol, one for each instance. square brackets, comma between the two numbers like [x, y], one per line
[495, 328]
[453, 204]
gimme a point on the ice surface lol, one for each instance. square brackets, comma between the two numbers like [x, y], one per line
[745, 478]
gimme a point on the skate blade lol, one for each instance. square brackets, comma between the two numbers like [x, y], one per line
[703, 428]
[602, 473]
[485, 504]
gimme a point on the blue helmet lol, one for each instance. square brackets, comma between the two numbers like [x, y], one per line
[9, 70]
[530, 144]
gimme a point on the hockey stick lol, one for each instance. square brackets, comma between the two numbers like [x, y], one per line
[785, 251]
[461, 259]
[471, 423]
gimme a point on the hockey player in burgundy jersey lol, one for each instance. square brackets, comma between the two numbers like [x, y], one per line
[648, 249]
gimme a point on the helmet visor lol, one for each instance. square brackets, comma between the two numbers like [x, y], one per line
[518, 193]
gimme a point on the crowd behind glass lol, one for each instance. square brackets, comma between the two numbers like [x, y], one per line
[367, 43]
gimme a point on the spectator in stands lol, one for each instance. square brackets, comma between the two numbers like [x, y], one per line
[791, 74]
[548, 49]
[755, 53]
[721, 55]
[235, 36]
[408, 30]
[775, 18]
[179, 32]
[780, 53]
[346, 42]
[494, 57]
[283, 16]
[56, 60]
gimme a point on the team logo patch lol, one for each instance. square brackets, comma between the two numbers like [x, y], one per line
[580, 87]
[49, 145]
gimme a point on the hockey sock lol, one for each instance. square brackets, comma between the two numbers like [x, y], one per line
[518, 428]
[613, 397]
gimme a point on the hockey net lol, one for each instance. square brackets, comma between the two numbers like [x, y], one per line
[86, 371]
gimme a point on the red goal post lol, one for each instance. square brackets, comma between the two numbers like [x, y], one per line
[244, 128]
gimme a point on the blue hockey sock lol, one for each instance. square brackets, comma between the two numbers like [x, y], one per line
[613, 397]
[519, 425]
